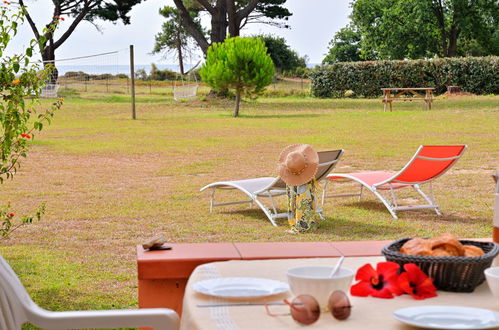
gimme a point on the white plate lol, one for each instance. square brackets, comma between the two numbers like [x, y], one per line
[240, 287]
[448, 317]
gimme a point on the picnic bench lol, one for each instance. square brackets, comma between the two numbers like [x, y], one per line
[407, 94]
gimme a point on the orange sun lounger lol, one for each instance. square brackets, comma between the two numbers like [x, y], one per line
[427, 164]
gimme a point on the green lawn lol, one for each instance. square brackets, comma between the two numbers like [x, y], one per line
[110, 183]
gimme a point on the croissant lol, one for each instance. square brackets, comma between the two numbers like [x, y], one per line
[440, 253]
[448, 243]
[417, 246]
[473, 251]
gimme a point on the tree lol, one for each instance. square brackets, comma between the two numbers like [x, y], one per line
[229, 17]
[174, 37]
[80, 10]
[344, 47]
[284, 58]
[398, 29]
[20, 117]
[238, 63]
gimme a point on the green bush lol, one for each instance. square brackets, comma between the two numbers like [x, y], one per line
[157, 74]
[298, 73]
[241, 64]
[477, 75]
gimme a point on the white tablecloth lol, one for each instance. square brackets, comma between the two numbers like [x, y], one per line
[367, 313]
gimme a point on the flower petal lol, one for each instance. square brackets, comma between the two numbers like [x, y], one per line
[385, 293]
[387, 269]
[365, 273]
[361, 289]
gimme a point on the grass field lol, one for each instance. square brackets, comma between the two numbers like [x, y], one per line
[110, 183]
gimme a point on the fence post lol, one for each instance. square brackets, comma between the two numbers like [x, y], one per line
[132, 82]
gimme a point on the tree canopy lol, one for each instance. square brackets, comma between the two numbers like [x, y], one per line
[284, 58]
[401, 29]
[80, 10]
[345, 46]
[174, 37]
[241, 64]
[228, 17]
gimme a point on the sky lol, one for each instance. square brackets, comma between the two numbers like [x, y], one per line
[313, 24]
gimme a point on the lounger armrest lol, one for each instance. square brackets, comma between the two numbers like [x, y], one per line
[157, 318]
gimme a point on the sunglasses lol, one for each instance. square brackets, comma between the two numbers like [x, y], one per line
[305, 309]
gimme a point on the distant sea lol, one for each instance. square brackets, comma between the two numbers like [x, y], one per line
[114, 69]
[125, 69]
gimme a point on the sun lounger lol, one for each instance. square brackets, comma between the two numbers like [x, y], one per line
[427, 164]
[270, 187]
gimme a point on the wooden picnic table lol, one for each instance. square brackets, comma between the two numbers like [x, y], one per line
[407, 94]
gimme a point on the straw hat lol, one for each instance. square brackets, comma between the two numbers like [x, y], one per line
[298, 164]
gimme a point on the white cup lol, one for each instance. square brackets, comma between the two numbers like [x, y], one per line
[492, 276]
[315, 281]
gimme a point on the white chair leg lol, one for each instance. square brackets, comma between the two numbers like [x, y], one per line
[394, 198]
[430, 199]
[266, 211]
[324, 192]
[212, 198]
[273, 204]
[386, 203]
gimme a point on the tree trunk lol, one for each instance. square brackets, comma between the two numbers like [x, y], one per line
[232, 19]
[453, 36]
[219, 22]
[191, 27]
[48, 57]
[179, 52]
[238, 100]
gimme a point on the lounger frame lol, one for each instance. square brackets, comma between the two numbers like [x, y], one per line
[275, 187]
[391, 203]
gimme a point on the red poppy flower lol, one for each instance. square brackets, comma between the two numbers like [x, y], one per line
[16, 82]
[416, 283]
[61, 18]
[379, 283]
[11, 215]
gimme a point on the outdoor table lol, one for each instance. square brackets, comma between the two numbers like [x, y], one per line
[399, 94]
[367, 313]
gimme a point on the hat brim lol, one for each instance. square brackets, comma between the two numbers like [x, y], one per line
[309, 172]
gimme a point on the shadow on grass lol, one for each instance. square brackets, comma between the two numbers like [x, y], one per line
[278, 116]
[257, 214]
[346, 228]
[422, 215]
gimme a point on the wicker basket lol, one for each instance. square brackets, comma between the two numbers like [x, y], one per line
[457, 274]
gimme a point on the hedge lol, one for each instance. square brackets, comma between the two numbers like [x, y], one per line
[477, 75]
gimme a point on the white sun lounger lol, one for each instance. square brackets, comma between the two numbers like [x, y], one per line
[270, 187]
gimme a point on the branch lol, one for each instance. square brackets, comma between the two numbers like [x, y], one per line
[246, 10]
[73, 25]
[70, 6]
[191, 26]
[207, 6]
[30, 20]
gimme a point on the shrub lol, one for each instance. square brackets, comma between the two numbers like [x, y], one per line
[238, 63]
[157, 74]
[477, 75]
[21, 116]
